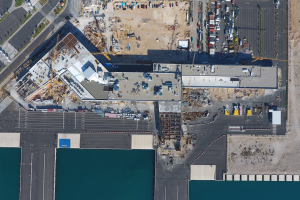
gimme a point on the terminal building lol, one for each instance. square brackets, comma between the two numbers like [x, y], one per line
[85, 76]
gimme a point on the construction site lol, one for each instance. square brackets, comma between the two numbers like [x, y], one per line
[135, 28]
[93, 32]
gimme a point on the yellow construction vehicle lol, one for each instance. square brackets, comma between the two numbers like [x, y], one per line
[58, 82]
[226, 112]
[236, 111]
[249, 112]
[263, 58]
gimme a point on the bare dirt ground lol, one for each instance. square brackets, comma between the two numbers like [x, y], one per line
[273, 154]
[151, 25]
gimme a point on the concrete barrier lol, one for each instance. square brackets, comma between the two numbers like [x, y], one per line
[237, 177]
[244, 177]
[289, 178]
[251, 177]
[274, 177]
[267, 178]
[228, 177]
[281, 177]
[259, 177]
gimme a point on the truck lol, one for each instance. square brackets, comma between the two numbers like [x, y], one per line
[212, 51]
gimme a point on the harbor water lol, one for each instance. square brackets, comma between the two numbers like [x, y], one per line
[104, 174]
[245, 190]
[10, 159]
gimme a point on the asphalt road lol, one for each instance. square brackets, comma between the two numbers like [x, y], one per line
[4, 6]
[79, 122]
[105, 141]
[37, 172]
[11, 22]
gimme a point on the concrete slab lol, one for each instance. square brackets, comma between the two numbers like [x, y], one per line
[203, 172]
[289, 177]
[266, 177]
[228, 177]
[244, 177]
[296, 177]
[142, 142]
[251, 177]
[274, 177]
[74, 139]
[237, 177]
[9, 139]
[281, 177]
[258, 177]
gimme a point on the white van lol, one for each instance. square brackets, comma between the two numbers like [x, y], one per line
[227, 9]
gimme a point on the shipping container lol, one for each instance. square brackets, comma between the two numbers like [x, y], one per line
[111, 115]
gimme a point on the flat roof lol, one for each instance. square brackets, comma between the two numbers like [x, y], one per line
[9, 139]
[248, 76]
[74, 140]
[95, 89]
[130, 86]
[267, 79]
[221, 70]
[203, 172]
[141, 141]
[276, 117]
[166, 67]
[209, 81]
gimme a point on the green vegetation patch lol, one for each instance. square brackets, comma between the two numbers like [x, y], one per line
[18, 3]
[43, 2]
[59, 8]
[39, 29]
[4, 17]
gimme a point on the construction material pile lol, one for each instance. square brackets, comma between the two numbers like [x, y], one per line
[192, 116]
[94, 35]
[196, 97]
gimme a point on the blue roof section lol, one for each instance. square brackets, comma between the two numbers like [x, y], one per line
[88, 72]
[87, 65]
[64, 143]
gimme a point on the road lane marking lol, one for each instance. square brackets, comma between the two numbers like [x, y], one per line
[31, 177]
[44, 180]
[177, 192]
[165, 192]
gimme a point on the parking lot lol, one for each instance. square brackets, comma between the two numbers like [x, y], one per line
[4, 6]
[23, 36]
[245, 28]
[11, 23]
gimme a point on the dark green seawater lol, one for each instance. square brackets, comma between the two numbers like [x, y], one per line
[239, 190]
[104, 174]
[10, 159]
